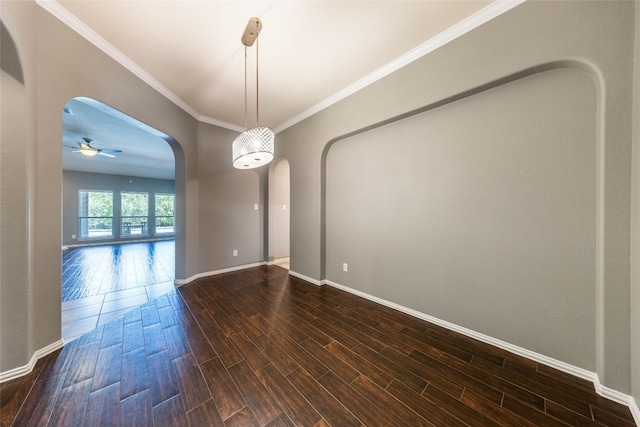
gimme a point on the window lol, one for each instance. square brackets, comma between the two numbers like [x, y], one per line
[95, 213]
[134, 214]
[165, 213]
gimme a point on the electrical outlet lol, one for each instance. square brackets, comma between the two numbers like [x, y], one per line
[235, 252]
[345, 267]
[73, 236]
[255, 206]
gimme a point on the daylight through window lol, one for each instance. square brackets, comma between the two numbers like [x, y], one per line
[95, 214]
[165, 213]
[134, 214]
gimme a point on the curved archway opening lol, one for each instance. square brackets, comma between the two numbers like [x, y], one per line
[415, 214]
[119, 210]
[279, 217]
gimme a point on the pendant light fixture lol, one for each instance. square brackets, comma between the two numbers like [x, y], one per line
[253, 147]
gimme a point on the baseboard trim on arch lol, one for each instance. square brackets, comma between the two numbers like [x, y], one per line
[180, 282]
[23, 370]
[602, 390]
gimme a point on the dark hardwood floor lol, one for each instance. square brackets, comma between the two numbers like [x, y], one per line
[260, 348]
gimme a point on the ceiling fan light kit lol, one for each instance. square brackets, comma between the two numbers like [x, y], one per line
[89, 151]
[253, 147]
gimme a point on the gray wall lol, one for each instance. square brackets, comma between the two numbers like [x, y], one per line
[635, 224]
[588, 288]
[228, 218]
[49, 53]
[14, 205]
[475, 211]
[589, 285]
[74, 181]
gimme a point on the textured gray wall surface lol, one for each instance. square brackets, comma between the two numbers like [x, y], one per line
[14, 206]
[635, 222]
[558, 213]
[227, 198]
[49, 53]
[477, 68]
[477, 211]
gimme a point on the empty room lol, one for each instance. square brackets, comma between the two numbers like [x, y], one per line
[381, 213]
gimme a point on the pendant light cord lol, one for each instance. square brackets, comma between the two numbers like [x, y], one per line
[257, 84]
[245, 88]
[246, 122]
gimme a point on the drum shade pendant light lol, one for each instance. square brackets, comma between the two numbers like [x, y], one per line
[253, 147]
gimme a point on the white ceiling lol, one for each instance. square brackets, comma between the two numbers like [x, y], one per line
[312, 53]
[144, 152]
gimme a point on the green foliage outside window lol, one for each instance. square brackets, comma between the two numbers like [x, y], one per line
[100, 203]
[165, 213]
[134, 204]
[164, 204]
[95, 212]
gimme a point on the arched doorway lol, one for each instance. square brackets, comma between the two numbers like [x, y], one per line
[279, 208]
[118, 222]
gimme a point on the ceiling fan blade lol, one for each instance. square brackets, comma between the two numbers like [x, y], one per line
[105, 154]
[77, 151]
[108, 150]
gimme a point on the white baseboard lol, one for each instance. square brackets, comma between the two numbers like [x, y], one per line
[602, 390]
[24, 370]
[306, 278]
[616, 396]
[180, 282]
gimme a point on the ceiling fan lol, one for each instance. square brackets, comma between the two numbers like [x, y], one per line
[86, 149]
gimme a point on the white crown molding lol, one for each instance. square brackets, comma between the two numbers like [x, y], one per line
[54, 8]
[602, 390]
[24, 370]
[483, 16]
[220, 123]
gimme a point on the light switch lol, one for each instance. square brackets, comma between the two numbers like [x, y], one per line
[345, 267]
[284, 207]
[255, 207]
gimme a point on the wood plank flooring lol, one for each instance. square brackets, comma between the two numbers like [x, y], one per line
[95, 270]
[102, 283]
[260, 348]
